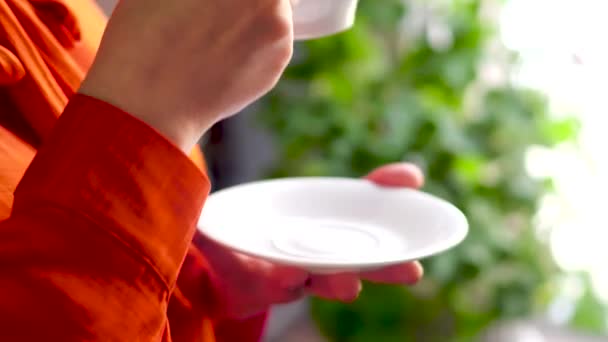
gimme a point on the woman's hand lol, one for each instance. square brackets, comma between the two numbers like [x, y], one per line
[249, 285]
[183, 65]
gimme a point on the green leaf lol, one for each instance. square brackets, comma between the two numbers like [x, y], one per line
[561, 130]
[591, 314]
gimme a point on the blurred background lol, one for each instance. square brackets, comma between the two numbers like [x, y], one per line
[502, 103]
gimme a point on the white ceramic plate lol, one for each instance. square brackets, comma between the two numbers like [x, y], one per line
[331, 224]
[318, 18]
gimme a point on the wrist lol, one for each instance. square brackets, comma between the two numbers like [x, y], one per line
[170, 120]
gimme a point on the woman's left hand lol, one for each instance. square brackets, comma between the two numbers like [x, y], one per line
[248, 285]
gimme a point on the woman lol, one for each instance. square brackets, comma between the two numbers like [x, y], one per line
[98, 201]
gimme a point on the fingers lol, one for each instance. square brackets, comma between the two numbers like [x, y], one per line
[343, 287]
[287, 284]
[404, 274]
[289, 277]
[398, 175]
[346, 287]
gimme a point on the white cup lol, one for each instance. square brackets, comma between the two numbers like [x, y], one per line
[320, 18]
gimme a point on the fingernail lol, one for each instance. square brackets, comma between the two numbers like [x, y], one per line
[416, 275]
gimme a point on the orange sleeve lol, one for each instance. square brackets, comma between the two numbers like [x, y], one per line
[100, 226]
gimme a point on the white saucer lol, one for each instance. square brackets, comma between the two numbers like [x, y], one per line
[331, 224]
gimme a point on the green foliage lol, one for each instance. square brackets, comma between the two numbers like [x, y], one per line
[589, 313]
[364, 98]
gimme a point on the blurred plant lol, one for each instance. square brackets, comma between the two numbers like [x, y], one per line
[428, 82]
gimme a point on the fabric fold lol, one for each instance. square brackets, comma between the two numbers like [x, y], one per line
[43, 73]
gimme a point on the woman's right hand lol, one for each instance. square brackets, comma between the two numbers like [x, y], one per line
[183, 65]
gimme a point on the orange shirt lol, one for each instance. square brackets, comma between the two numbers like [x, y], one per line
[93, 239]
[100, 225]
